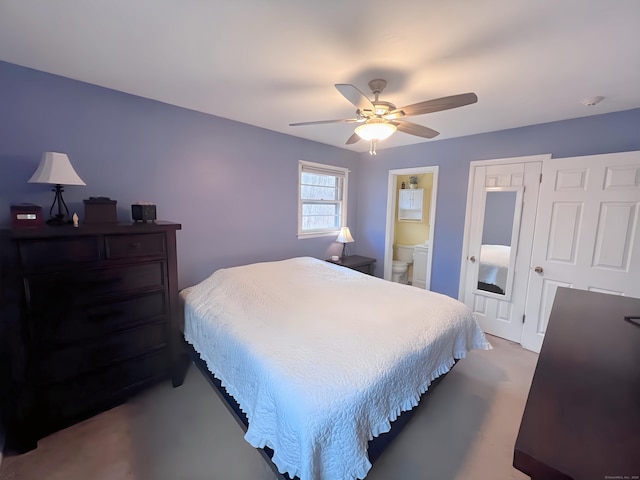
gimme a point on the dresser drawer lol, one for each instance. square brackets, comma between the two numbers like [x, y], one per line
[58, 365]
[59, 251]
[92, 321]
[73, 288]
[129, 246]
[61, 403]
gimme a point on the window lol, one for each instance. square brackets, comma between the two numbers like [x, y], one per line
[322, 199]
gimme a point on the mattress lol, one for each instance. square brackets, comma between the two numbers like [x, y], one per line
[321, 358]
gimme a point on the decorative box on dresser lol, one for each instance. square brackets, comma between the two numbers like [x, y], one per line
[99, 320]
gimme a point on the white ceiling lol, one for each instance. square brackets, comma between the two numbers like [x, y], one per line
[274, 62]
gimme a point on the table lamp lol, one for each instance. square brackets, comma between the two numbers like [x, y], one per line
[55, 169]
[344, 237]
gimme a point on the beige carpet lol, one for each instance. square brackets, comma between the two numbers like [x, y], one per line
[465, 429]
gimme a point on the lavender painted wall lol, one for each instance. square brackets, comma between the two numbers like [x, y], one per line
[233, 187]
[615, 132]
[193, 167]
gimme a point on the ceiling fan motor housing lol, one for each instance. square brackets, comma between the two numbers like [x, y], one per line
[377, 86]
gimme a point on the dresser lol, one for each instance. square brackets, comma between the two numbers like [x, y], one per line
[98, 319]
[582, 417]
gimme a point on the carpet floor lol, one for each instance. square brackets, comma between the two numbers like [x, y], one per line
[465, 429]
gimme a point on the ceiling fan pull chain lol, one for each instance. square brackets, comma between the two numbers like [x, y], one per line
[372, 148]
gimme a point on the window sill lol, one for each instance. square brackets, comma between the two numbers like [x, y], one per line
[302, 236]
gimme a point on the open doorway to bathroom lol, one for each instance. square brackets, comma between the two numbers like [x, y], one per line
[411, 213]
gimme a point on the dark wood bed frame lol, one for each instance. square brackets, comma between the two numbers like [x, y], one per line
[376, 446]
[490, 287]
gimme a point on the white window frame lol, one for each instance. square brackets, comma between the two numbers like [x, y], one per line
[320, 168]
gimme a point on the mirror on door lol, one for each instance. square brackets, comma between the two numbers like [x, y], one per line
[500, 229]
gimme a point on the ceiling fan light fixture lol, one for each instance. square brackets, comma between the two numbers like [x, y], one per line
[380, 119]
[376, 130]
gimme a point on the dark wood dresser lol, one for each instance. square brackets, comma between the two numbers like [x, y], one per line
[582, 417]
[99, 320]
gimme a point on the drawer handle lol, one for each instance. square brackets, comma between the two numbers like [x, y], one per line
[136, 245]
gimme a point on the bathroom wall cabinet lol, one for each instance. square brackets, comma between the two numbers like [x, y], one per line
[410, 204]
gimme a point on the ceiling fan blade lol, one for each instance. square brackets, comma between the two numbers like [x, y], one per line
[435, 105]
[355, 96]
[415, 129]
[353, 139]
[319, 122]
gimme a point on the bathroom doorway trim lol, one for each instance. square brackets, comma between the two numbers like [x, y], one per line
[392, 197]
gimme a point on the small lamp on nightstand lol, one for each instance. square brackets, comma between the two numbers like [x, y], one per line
[344, 237]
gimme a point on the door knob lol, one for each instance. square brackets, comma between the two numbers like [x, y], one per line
[472, 259]
[538, 270]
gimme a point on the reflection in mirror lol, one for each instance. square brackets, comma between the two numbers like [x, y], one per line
[497, 238]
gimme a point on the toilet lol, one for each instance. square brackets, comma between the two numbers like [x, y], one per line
[402, 258]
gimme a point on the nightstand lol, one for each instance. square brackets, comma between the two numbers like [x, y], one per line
[356, 262]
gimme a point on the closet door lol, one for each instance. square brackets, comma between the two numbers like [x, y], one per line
[587, 234]
[501, 218]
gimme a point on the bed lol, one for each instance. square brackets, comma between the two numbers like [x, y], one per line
[320, 359]
[494, 268]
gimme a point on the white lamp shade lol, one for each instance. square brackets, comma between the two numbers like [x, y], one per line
[375, 130]
[55, 168]
[344, 236]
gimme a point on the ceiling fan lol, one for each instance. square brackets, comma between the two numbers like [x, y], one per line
[380, 119]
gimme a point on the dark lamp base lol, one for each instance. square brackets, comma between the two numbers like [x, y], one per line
[63, 211]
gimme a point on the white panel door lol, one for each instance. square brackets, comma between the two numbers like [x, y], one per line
[586, 233]
[498, 314]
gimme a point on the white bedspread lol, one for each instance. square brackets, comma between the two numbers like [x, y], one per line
[494, 265]
[321, 358]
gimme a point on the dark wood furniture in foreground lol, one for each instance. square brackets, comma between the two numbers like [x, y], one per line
[98, 315]
[582, 417]
[356, 262]
[10, 343]
[376, 446]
